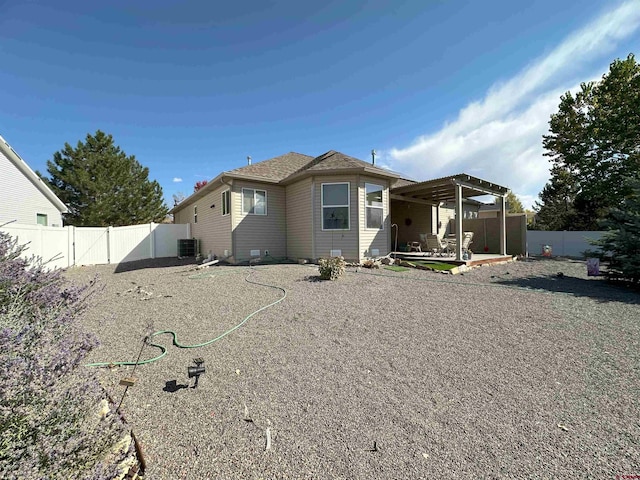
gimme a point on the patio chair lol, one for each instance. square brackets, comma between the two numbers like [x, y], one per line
[433, 244]
[467, 239]
[414, 246]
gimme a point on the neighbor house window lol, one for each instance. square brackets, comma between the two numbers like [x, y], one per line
[374, 205]
[195, 214]
[41, 218]
[254, 202]
[335, 206]
[226, 202]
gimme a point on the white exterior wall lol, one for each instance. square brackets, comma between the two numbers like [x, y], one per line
[21, 200]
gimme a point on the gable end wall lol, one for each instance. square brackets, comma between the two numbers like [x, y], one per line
[21, 200]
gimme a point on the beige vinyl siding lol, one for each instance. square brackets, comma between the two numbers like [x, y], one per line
[259, 232]
[344, 240]
[213, 230]
[373, 238]
[412, 220]
[20, 200]
[299, 220]
[181, 217]
[446, 217]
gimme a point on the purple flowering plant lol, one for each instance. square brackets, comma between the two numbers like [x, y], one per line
[50, 425]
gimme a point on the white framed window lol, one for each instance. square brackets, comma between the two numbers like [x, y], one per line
[41, 219]
[254, 202]
[374, 206]
[195, 214]
[335, 206]
[226, 202]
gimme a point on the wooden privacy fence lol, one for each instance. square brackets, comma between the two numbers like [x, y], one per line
[486, 234]
[67, 246]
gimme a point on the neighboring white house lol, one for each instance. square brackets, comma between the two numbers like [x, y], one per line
[24, 197]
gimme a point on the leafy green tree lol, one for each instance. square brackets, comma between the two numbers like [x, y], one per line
[593, 144]
[514, 205]
[102, 186]
[621, 243]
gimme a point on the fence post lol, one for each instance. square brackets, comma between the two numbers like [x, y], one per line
[152, 240]
[109, 232]
[71, 243]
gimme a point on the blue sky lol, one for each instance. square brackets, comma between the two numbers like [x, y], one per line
[193, 87]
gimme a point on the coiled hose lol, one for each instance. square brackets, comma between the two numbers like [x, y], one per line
[163, 349]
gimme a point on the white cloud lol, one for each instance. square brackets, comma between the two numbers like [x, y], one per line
[177, 179]
[499, 138]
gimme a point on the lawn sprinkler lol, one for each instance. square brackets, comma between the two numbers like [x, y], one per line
[196, 371]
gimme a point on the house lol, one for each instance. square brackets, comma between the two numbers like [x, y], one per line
[300, 207]
[293, 206]
[24, 197]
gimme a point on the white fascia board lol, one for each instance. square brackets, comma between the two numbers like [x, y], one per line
[21, 165]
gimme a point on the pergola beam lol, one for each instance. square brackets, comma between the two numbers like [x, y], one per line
[413, 199]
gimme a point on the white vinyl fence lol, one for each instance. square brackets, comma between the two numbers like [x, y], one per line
[64, 247]
[563, 244]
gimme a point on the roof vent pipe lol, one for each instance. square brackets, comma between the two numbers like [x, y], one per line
[248, 160]
[373, 157]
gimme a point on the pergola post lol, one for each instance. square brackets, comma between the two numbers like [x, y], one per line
[503, 225]
[459, 215]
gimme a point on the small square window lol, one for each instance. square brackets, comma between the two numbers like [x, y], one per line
[41, 219]
[254, 202]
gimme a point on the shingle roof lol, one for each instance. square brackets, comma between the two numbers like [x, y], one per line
[291, 167]
[280, 168]
[277, 168]
[334, 162]
[401, 182]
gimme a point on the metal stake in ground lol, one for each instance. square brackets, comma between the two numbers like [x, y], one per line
[130, 381]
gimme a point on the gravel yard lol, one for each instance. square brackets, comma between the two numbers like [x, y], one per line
[507, 371]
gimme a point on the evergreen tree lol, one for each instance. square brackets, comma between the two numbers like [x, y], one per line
[555, 210]
[621, 243]
[102, 186]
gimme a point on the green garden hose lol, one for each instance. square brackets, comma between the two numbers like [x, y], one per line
[163, 349]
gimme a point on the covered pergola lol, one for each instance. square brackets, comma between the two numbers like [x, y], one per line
[453, 189]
